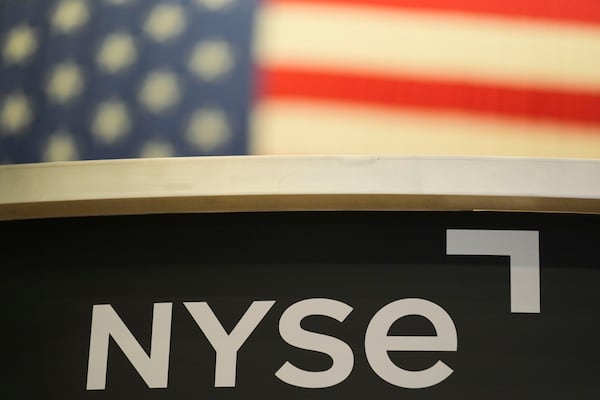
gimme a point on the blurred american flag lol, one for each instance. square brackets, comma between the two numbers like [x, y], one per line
[83, 79]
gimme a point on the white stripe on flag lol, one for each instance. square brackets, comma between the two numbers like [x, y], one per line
[286, 126]
[439, 45]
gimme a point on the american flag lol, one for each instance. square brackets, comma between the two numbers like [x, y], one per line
[83, 79]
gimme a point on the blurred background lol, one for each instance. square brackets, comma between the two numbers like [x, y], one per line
[98, 79]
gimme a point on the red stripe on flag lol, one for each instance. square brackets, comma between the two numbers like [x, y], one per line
[408, 92]
[583, 11]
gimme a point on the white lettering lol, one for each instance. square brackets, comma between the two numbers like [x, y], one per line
[153, 369]
[378, 343]
[293, 334]
[227, 345]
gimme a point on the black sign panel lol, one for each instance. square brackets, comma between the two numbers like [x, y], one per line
[303, 305]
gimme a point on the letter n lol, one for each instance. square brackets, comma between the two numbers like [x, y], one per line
[153, 369]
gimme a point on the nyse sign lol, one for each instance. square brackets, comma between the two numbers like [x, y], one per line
[521, 246]
[303, 305]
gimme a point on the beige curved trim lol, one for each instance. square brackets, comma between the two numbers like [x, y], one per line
[228, 184]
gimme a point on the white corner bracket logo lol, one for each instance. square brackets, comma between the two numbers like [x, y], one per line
[523, 249]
